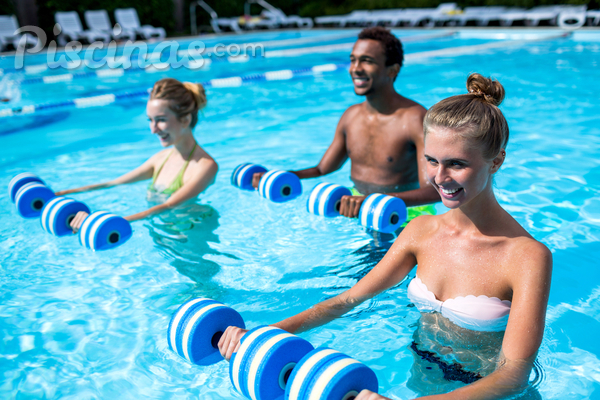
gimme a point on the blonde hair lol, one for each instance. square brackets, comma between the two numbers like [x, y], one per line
[474, 115]
[184, 97]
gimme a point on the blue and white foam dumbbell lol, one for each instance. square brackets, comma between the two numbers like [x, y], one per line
[279, 186]
[19, 180]
[242, 175]
[30, 194]
[196, 327]
[102, 230]
[261, 368]
[58, 213]
[382, 213]
[325, 199]
[326, 374]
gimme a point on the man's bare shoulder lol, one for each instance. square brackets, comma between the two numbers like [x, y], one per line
[410, 109]
[353, 111]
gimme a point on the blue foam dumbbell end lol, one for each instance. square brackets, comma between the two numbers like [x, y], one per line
[31, 199]
[242, 175]
[382, 213]
[18, 181]
[279, 186]
[196, 327]
[326, 374]
[262, 366]
[58, 213]
[324, 199]
[102, 231]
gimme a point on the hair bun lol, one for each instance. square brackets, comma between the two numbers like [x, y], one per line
[197, 91]
[489, 89]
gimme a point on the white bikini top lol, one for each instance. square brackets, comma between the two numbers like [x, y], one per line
[481, 313]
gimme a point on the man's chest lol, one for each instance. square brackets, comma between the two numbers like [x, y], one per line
[365, 142]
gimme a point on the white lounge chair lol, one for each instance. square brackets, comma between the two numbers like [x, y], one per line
[130, 22]
[572, 17]
[341, 20]
[8, 27]
[593, 17]
[71, 29]
[97, 20]
[218, 24]
[480, 15]
[273, 17]
[425, 16]
[383, 17]
[531, 17]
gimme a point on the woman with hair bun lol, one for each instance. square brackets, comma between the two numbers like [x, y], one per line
[177, 174]
[482, 282]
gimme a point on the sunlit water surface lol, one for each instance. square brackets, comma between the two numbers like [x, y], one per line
[76, 324]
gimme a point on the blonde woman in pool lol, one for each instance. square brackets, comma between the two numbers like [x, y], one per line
[179, 173]
[480, 277]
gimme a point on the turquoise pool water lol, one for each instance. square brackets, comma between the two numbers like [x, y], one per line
[77, 324]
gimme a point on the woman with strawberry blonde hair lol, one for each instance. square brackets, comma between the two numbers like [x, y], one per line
[179, 173]
[482, 282]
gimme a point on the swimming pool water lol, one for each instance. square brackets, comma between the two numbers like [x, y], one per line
[76, 324]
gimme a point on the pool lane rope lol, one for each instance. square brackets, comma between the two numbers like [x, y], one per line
[208, 52]
[236, 81]
[208, 57]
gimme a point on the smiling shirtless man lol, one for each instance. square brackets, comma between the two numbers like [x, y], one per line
[382, 136]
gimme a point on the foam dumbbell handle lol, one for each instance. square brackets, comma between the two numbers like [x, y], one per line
[242, 175]
[196, 327]
[325, 199]
[102, 231]
[279, 186]
[326, 374]
[18, 181]
[58, 213]
[31, 198]
[382, 213]
[261, 368]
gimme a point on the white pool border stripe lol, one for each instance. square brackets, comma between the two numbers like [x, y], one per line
[312, 199]
[96, 226]
[55, 210]
[378, 210]
[235, 374]
[190, 325]
[327, 375]
[46, 211]
[86, 225]
[19, 177]
[241, 173]
[272, 179]
[26, 188]
[263, 182]
[365, 208]
[259, 357]
[305, 369]
[326, 194]
[177, 319]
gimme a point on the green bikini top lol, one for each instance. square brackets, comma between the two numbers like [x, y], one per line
[178, 181]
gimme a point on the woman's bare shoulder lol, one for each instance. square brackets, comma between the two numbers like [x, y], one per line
[159, 157]
[529, 261]
[423, 226]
